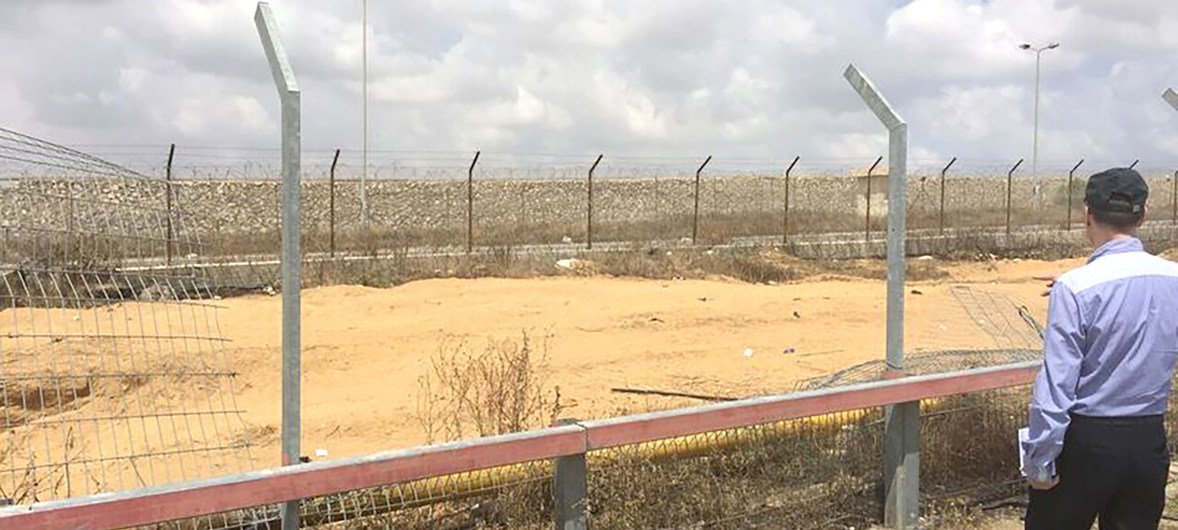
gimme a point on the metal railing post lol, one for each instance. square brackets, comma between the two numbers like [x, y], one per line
[1071, 178]
[867, 225]
[168, 207]
[901, 427]
[589, 204]
[695, 214]
[331, 205]
[942, 207]
[289, 95]
[570, 489]
[470, 203]
[1009, 183]
[785, 216]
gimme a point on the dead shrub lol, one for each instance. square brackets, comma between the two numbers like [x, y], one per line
[499, 390]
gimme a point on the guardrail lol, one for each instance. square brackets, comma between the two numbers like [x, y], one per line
[566, 444]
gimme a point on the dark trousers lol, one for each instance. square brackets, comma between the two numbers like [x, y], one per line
[1114, 469]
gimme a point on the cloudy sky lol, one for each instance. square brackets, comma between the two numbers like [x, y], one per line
[755, 80]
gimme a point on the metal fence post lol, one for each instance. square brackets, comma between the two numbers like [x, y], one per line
[867, 224]
[470, 203]
[1071, 177]
[695, 215]
[785, 217]
[1009, 183]
[69, 221]
[289, 95]
[1171, 97]
[589, 221]
[942, 208]
[902, 427]
[570, 489]
[168, 207]
[331, 205]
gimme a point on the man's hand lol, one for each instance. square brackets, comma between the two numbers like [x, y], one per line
[1043, 485]
[1050, 279]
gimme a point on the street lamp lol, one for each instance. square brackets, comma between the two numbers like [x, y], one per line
[1035, 143]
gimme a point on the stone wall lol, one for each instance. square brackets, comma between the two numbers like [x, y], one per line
[250, 209]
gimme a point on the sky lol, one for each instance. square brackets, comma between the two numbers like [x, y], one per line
[756, 80]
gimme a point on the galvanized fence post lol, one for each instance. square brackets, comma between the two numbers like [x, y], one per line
[867, 224]
[168, 207]
[589, 205]
[331, 205]
[785, 216]
[1071, 178]
[901, 426]
[289, 95]
[570, 489]
[1009, 184]
[695, 214]
[941, 215]
[470, 203]
[1171, 97]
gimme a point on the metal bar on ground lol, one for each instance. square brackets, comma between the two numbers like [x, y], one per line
[695, 214]
[271, 486]
[1009, 184]
[331, 205]
[942, 209]
[589, 204]
[470, 202]
[867, 225]
[290, 98]
[902, 427]
[1071, 178]
[785, 220]
[168, 206]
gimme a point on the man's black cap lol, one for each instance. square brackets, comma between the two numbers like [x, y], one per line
[1119, 190]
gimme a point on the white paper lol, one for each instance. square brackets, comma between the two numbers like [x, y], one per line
[1024, 435]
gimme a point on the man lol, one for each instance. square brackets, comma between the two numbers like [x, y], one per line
[1097, 445]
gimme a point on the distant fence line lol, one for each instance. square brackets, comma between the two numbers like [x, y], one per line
[238, 216]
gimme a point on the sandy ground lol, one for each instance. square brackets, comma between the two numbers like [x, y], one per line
[365, 349]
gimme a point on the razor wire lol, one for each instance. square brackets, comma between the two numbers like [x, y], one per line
[110, 378]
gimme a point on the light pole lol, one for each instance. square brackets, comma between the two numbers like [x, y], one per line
[1035, 142]
[364, 89]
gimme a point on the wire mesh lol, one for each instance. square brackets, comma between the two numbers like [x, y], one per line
[820, 472]
[950, 328]
[110, 378]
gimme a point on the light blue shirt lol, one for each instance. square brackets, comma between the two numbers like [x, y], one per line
[1109, 347]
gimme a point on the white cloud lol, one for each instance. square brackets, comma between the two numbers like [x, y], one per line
[678, 78]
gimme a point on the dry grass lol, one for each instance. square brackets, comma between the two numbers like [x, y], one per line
[498, 390]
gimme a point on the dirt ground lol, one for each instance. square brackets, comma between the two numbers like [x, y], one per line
[365, 349]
